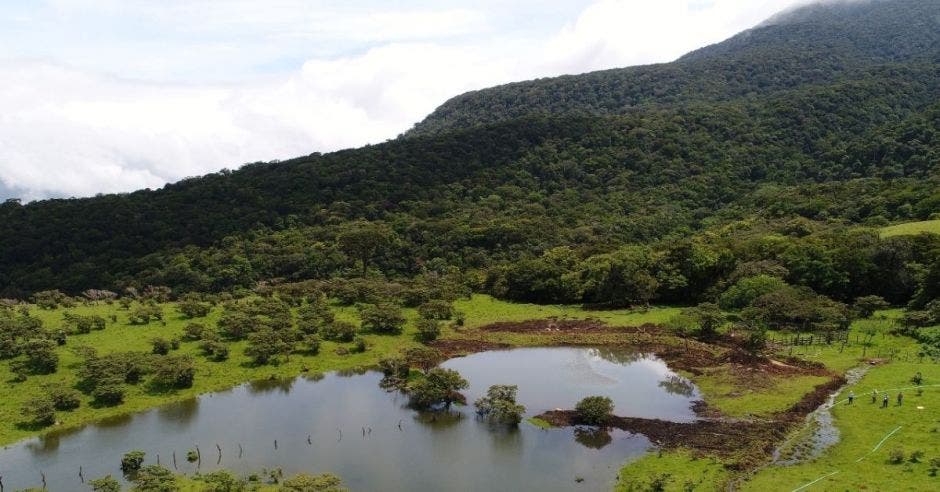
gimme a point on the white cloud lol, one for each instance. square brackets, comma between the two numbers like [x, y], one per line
[77, 131]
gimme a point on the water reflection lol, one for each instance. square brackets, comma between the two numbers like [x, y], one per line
[263, 386]
[180, 413]
[678, 385]
[439, 420]
[593, 437]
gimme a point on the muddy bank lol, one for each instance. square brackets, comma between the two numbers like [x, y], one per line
[744, 442]
[727, 439]
[456, 347]
[688, 355]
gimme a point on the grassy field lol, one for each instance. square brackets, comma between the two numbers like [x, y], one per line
[911, 228]
[853, 463]
[210, 376]
[734, 394]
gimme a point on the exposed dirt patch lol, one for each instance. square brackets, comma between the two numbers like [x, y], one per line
[458, 347]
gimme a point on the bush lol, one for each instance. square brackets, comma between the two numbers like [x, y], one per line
[896, 456]
[499, 405]
[161, 346]
[221, 481]
[867, 305]
[303, 482]
[39, 410]
[41, 356]
[144, 313]
[132, 461]
[192, 308]
[105, 484]
[339, 331]
[63, 397]
[436, 309]
[359, 345]
[154, 478]
[108, 392]
[312, 342]
[381, 318]
[215, 349]
[194, 331]
[429, 329]
[595, 410]
[174, 371]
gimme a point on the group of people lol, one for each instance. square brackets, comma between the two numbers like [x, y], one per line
[874, 398]
[917, 379]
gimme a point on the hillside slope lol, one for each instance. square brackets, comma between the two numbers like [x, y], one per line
[817, 44]
[859, 144]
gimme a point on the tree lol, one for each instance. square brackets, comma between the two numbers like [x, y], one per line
[191, 307]
[595, 410]
[312, 342]
[109, 391]
[315, 315]
[132, 461]
[499, 405]
[423, 358]
[382, 318]
[743, 293]
[63, 397]
[194, 331]
[105, 484]
[41, 356]
[709, 318]
[161, 346]
[144, 313]
[429, 329]
[363, 241]
[266, 345]
[866, 306]
[755, 333]
[39, 410]
[438, 387]
[174, 371]
[339, 331]
[437, 309]
[215, 349]
[235, 324]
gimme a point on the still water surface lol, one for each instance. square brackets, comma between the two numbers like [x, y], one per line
[429, 452]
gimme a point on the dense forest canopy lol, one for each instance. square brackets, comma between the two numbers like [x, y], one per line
[760, 165]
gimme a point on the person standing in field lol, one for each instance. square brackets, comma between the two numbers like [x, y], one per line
[900, 398]
[851, 397]
[884, 401]
[874, 396]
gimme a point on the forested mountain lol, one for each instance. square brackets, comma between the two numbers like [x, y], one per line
[818, 44]
[774, 153]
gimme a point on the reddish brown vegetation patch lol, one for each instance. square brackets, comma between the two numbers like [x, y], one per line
[455, 347]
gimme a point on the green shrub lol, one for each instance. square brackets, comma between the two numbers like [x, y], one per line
[595, 410]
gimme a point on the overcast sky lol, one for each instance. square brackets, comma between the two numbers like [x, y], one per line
[117, 95]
